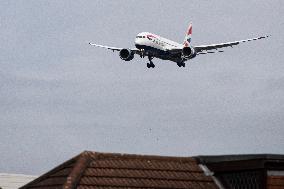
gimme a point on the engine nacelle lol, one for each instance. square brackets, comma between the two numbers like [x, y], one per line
[188, 52]
[126, 54]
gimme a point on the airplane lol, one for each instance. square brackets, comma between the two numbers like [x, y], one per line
[155, 46]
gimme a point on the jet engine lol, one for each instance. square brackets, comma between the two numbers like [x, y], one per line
[188, 52]
[126, 54]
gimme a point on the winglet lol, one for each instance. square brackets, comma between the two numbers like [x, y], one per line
[188, 34]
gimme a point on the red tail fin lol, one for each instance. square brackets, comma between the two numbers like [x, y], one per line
[187, 39]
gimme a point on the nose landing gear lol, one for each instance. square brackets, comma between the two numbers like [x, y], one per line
[142, 53]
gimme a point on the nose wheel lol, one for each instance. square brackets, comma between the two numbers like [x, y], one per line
[142, 53]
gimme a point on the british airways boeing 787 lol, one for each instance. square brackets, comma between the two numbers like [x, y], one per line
[154, 46]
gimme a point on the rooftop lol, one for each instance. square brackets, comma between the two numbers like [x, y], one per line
[109, 171]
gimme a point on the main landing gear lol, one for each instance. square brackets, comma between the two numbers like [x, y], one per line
[151, 64]
[181, 64]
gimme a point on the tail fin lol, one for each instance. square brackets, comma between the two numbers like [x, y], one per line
[187, 38]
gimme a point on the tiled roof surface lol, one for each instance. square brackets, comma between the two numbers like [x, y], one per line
[91, 170]
[275, 182]
[54, 179]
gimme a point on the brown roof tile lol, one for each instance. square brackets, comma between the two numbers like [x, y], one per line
[275, 182]
[91, 170]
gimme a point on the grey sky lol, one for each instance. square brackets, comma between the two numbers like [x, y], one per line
[59, 96]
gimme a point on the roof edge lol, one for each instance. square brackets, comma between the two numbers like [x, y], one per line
[44, 176]
[237, 157]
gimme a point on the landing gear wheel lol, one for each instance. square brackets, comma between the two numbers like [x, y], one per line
[181, 64]
[150, 65]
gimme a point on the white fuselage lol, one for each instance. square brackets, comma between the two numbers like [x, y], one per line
[153, 45]
[147, 41]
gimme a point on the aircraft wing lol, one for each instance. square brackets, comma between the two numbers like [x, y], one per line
[201, 48]
[111, 48]
[106, 47]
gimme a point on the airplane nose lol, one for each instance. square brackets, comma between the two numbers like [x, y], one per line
[137, 41]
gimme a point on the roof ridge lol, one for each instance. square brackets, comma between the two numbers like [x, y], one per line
[107, 155]
[79, 168]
